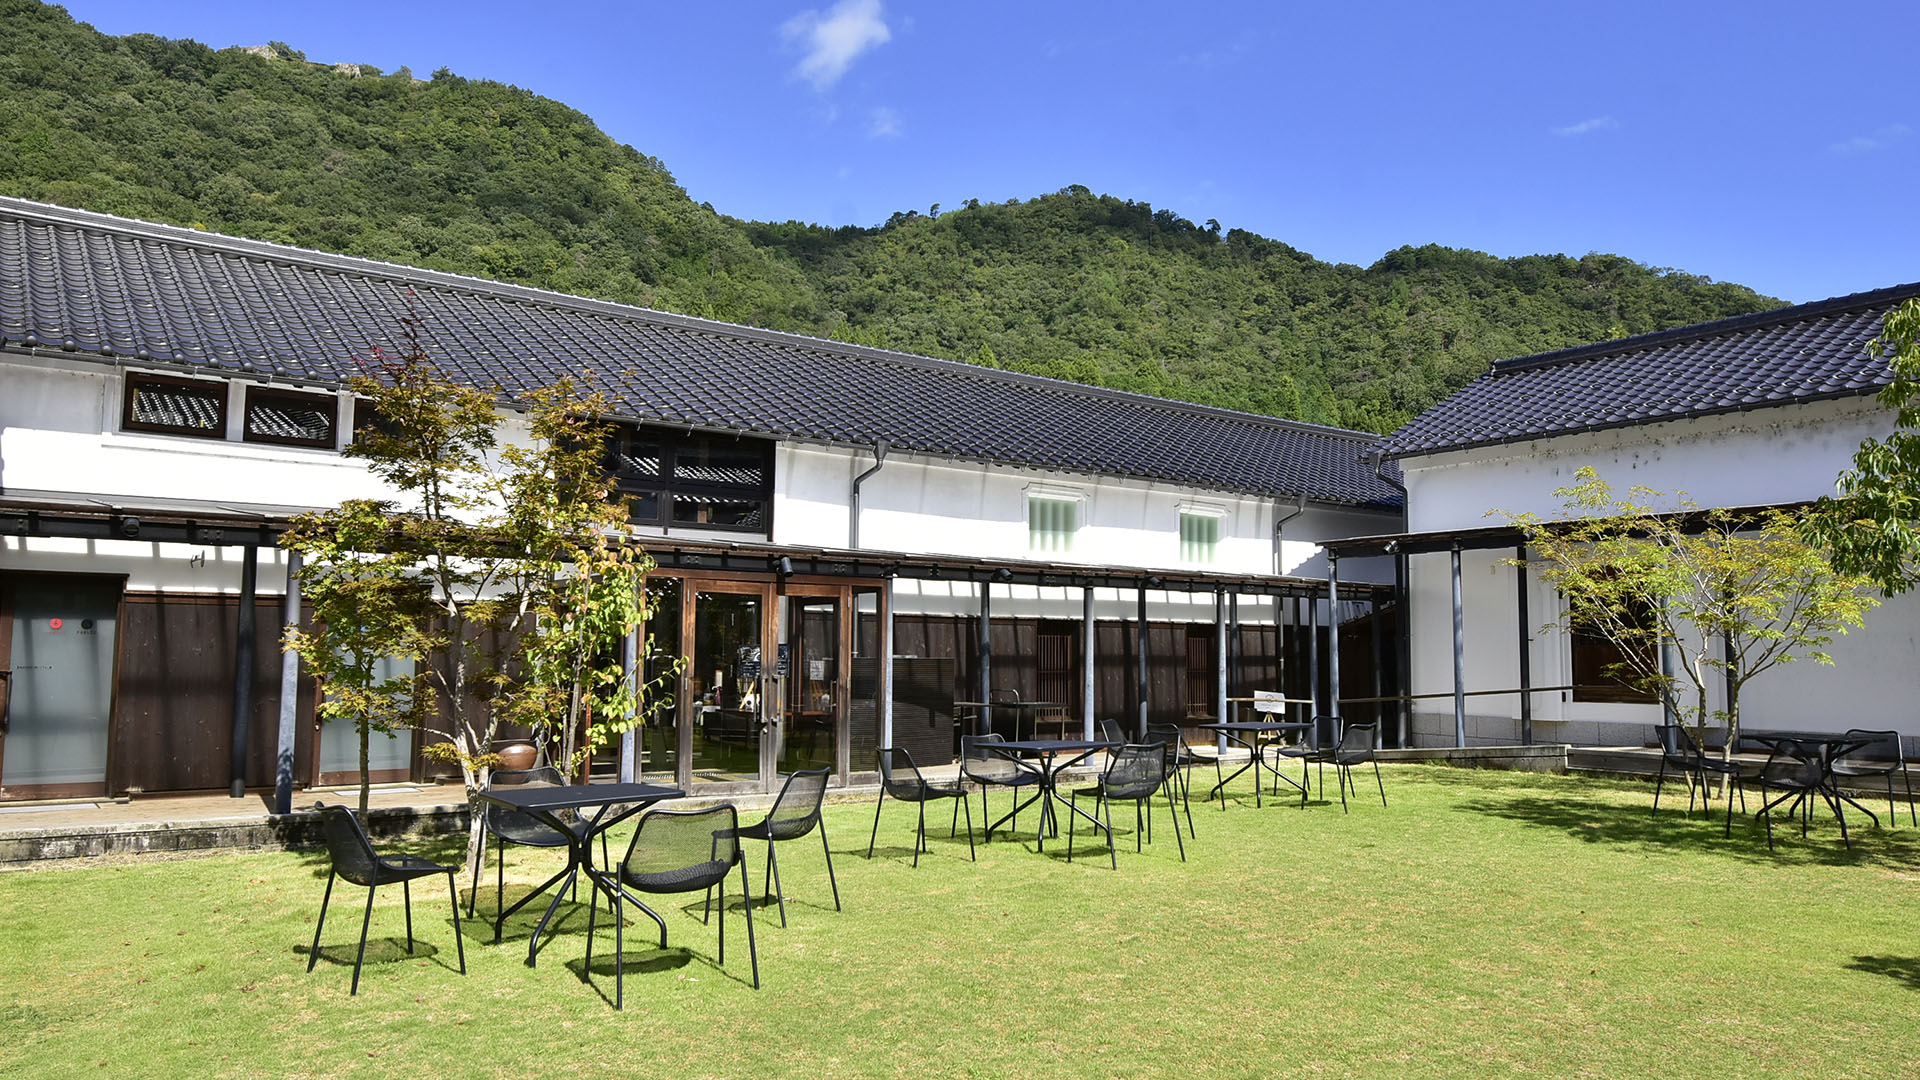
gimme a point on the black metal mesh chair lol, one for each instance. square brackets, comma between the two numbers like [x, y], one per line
[1135, 773]
[1880, 755]
[1311, 746]
[795, 813]
[982, 765]
[1679, 752]
[1180, 763]
[354, 859]
[1111, 731]
[676, 851]
[1356, 748]
[900, 778]
[518, 827]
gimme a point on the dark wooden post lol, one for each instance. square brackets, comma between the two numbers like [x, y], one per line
[1140, 656]
[985, 649]
[243, 671]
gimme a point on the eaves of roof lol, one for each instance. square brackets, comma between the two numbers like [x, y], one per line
[1790, 356]
[131, 292]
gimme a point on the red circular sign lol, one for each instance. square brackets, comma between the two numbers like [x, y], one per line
[56, 623]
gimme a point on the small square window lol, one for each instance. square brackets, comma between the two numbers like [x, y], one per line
[1051, 523]
[288, 418]
[175, 406]
[1199, 538]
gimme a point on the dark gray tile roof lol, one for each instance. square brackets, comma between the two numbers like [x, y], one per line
[1782, 357]
[162, 296]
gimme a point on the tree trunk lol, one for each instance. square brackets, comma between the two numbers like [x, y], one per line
[366, 759]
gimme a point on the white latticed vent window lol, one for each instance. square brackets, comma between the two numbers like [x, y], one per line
[1051, 523]
[1199, 538]
[295, 419]
[176, 406]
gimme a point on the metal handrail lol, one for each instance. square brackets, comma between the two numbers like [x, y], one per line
[1473, 693]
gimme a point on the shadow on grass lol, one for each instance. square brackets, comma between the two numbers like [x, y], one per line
[1905, 969]
[649, 959]
[381, 950]
[569, 916]
[1600, 817]
[938, 847]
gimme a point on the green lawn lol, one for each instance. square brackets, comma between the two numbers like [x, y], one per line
[1485, 924]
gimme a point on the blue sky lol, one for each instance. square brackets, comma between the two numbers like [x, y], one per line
[1773, 144]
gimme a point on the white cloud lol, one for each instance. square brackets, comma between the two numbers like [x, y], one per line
[883, 123]
[1598, 123]
[1879, 140]
[833, 41]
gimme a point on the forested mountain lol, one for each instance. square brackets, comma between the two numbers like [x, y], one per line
[482, 178]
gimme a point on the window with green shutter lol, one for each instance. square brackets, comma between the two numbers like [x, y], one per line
[1199, 538]
[1051, 523]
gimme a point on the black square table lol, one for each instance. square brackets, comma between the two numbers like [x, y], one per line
[1246, 733]
[1814, 751]
[1047, 750]
[545, 803]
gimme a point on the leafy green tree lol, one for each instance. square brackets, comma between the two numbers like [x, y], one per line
[367, 607]
[1731, 596]
[579, 580]
[1872, 527]
[504, 573]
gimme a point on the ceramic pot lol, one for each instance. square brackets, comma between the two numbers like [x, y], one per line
[519, 755]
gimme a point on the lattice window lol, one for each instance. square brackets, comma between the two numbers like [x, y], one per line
[689, 479]
[175, 406]
[288, 418]
[1051, 523]
[1199, 538]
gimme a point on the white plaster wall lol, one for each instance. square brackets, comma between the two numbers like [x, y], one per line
[929, 506]
[148, 567]
[1777, 455]
[59, 431]
[1770, 456]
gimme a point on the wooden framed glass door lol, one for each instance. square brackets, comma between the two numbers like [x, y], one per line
[777, 677]
[727, 639]
[815, 690]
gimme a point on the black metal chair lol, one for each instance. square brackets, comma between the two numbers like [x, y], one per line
[1314, 745]
[1181, 763]
[795, 813]
[982, 765]
[1880, 755]
[1356, 748]
[1006, 696]
[1111, 731]
[354, 859]
[1681, 753]
[518, 827]
[900, 778]
[1135, 773]
[676, 851]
